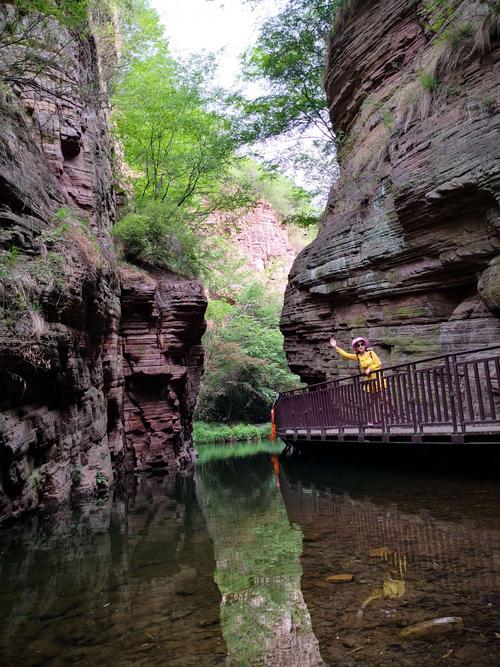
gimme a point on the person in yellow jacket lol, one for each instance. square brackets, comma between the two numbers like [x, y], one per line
[369, 364]
[368, 360]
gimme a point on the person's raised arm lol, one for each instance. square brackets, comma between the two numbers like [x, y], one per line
[343, 353]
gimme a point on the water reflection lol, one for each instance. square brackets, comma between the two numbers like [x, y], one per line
[407, 567]
[233, 567]
[263, 615]
[126, 583]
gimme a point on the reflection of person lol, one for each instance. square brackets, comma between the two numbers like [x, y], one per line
[369, 366]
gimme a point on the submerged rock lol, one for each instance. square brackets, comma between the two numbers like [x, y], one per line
[433, 627]
[338, 578]
[380, 552]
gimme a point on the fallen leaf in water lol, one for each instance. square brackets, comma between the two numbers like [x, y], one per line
[447, 654]
[394, 588]
[380, 552]
[435, 626]
[340, 577]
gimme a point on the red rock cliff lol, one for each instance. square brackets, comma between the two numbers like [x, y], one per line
[408, 251]
[62, 429]
[162, 325]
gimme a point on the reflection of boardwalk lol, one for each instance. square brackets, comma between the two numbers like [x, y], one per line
[407, 569]
[453, 398]
[413, 542]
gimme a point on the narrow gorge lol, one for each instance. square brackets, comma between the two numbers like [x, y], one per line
[101, 360]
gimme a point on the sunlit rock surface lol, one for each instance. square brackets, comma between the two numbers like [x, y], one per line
[408, 248]
[263, 240]
[259, 238]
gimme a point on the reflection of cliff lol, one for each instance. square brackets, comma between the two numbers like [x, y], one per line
[407, 568]
[264, 618]
[129, 583]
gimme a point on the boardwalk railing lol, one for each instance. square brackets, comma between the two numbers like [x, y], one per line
[454, 394]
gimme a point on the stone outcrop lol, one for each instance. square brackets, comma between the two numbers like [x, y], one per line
[262, 239]
[61, 351]
[409, 244]
[162, 324]
[60, 365]
[259, 239]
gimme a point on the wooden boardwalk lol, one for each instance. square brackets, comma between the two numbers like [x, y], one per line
[449, 399]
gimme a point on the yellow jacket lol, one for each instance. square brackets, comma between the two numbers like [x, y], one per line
[368, 361]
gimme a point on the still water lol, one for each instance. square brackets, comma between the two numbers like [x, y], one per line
[231, 567]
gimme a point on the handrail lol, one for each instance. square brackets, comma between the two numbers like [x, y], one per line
[452, 394]
[385, 370]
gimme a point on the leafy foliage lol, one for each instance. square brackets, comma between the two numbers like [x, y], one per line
[437, 12]
[204, 433]
[180, 152]
[290, 55]
[291, 202]
[245, 363]
[288, 62]
[173, 143]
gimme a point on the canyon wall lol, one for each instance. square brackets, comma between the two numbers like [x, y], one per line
[65, 354]
[259, 239]
[162, 325]
[408, 249]
[263, 241]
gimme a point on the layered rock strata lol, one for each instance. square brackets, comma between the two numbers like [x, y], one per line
[61, 352]
[408, 250]
[262, 240]
[60, 365]
[162, 325]
[258, 239]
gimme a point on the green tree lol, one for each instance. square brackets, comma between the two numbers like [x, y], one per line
[245, 364]
[180, 153]
[292, 203]
[289, 56]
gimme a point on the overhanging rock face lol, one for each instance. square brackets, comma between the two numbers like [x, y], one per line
[408, 251]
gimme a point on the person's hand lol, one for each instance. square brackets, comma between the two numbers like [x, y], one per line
[368, 371]
[333, 342]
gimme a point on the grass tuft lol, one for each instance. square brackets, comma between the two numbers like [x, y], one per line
[205, 433]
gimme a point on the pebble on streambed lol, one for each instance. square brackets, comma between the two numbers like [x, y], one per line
[433, 627]
[339, 578]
